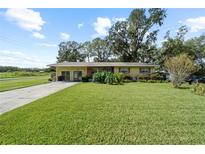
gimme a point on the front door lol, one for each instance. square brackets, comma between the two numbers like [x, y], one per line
[66, 75]
[77, 75]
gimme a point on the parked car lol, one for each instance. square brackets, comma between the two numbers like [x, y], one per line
[201, 80]
[195, 79]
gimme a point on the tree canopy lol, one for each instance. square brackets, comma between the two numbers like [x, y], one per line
[100, 50]
[174, 46]
[135, 40]
[70, 51]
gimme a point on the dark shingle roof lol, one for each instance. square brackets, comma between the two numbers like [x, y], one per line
[101, 64]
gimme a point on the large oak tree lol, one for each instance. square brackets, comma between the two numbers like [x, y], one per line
[134, 40]
[172, 46]
[100, 50]
[70, 51]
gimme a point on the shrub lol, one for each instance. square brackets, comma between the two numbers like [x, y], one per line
[86, 78]
[53, 76]
[108, 77]
[143, 77]
[127, 77]
[111, 79]
[154, 81]
[156, 76]
[143, 80]
[100, 77]
[179, 68]
[119, 77]
[199, 89]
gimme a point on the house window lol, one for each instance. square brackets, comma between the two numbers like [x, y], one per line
[124, 70]
[145, 70]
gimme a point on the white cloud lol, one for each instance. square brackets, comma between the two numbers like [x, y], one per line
[13, 58]
[38, 35]
[25, 18]
[48, 45]
[115, 19]
[64, 36]
[101, 26]
[80, 25]
[196, 24]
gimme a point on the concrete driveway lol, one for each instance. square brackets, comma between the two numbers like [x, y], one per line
[12, 99]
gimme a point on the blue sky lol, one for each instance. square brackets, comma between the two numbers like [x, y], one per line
[29, 37]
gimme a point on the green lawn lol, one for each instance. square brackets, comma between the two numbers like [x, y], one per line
[9, 84]
[17, 74]
[88, 113]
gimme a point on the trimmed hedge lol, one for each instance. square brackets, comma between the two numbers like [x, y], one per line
[154, 81]
[153, 77]
[119, 78]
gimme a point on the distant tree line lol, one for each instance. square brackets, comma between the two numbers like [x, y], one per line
[135, 40]
[13, 69]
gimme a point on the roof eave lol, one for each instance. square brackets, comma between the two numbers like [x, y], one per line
[56, 65]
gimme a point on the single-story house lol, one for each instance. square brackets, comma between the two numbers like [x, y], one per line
[74, 71]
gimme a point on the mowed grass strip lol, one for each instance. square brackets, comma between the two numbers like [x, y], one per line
[19, 74]
[10, 84]
[88, 113]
